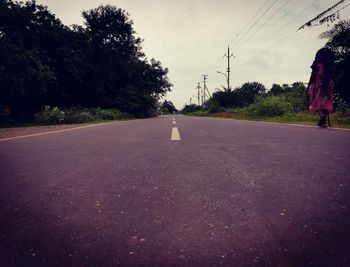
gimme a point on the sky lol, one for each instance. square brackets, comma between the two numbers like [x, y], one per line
[191, 37]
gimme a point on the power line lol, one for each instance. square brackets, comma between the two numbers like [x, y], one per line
[245, 26]
[251, 19]
[279, 30]
[252, 26]
[288, 37]
[325, 18]
[262, 25]
[256, 22]
[292, 34]
[293, 19]
[246, 29]
[309, 23]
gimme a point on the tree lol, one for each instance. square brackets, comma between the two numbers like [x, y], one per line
[190, 108]
[247, 93]
[167, 107]
[297, 97]
[26, 80]
[120, 75]
[275, 90]
[225, 99]
[339, 42]
[101, 64]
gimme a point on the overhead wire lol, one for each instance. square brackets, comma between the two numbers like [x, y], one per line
[239, 34]
[245, 30]
[291, 35]
[256, 22]
[251, 19]
[323, 20]
[251, 27]
[262, 25]
[319, 16]
[278, 31]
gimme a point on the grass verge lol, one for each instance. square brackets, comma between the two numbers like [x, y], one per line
[338, 120]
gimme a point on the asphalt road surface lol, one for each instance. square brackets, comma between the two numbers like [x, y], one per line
[221, 193]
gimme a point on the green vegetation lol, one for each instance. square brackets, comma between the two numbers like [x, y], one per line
[338, 119]
[99, 65]
[285, 103]
[167, 107]
[339, 41]
[289, 104]
[53, 115]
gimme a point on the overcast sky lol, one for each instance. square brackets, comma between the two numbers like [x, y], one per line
[190, 38]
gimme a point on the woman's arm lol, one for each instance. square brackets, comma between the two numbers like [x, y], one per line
[312, 79]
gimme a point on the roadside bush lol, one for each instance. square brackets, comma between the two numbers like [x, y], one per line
[50, 115]
[110, 114]
[88, 115]
[236, 110]
[190, 108]
[270, 106]
[215, 108]
[298, 98]
[341, 105]
[78, 116]
[53, 115]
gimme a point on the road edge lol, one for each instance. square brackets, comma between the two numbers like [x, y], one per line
[59, 131]
[269, 122]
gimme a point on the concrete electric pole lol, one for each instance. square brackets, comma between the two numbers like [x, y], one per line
[199, 93]
[204, 87]
[228, 56]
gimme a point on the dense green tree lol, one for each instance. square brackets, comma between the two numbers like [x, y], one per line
[120, 75]
[225, 99]
[339, 42]
[190, 108]
[275, 90]
[167, 107]
[100, 64]
[247, 93]
[25, 78]
[297, 97]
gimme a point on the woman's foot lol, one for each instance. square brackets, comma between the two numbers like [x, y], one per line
[322, 122]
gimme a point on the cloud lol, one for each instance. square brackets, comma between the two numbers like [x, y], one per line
[264, 60]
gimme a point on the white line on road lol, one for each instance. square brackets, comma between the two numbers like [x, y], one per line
[175, 135]
[59, 131]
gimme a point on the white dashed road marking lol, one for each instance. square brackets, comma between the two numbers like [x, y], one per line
[175, 135]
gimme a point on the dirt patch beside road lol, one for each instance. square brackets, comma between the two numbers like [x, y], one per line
[22, 131]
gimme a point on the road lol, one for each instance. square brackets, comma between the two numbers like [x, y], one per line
[222, 193]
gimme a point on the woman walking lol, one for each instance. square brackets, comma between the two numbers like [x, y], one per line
[320, 88]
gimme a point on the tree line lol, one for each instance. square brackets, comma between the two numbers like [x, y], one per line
[254, 94]
[97, 65]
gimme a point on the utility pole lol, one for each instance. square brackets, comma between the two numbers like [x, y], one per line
[199, 93]
[204, 87]
[206, 90]
[228, 56]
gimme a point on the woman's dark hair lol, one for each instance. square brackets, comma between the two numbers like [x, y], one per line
[325, 56]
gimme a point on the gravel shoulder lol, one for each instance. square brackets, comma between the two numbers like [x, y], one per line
[23, 131]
